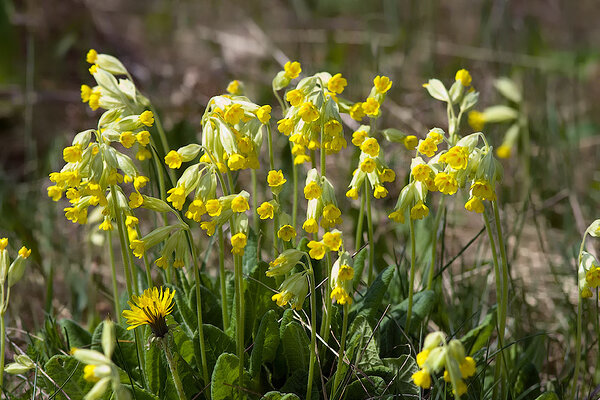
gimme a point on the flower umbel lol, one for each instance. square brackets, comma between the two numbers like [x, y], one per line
[151, 308]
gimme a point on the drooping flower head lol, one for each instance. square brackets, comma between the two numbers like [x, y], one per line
[151, 308]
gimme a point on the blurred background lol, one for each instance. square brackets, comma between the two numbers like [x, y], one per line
[181, 53]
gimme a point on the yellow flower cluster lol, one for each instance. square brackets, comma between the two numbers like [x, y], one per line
[322, 206]
[462, 165]
[342, 273]
[314, 110]
[437, 354]
[371, 106]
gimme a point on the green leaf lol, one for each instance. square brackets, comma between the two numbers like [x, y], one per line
[250, 257]
[478, 337]
[402, 367]
[67, 373]
[225, 378]
[280, 396]
[359, 266]
[142, 394]
[156, 370]
[372, 300]
[183, 312]
[547, 396]
[265, 343]
[183, 345]
[211, 307]
[190, 381]
[75, 335]
[216, 343]
[295, 347]
[367, 387]
[125, 354]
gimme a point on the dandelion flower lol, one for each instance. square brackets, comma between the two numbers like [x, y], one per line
[151, 308]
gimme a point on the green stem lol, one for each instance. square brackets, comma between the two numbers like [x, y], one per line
[280, 101]
[295, 200]
[2, 345]
[370, 234]
[113, 270]
[224, 311]
[577, 347]
[148, 272]
[359, 224]
[124, 251]
[254, 201]
[411, 281]
[174, 373]
[313, 331]
[338, 373]
[239, 319]
[505, 279]
[434, 239]
[270, 145]
[326, 319]
[498, 279]
[199, 309]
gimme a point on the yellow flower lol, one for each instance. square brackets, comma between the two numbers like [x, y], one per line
[483, 190]
[422, 357]
[317, 250]
[143, 138]
[3, 243]
[422, 379]
[410, 142]
[54, 192]
[331, 212]
[138, 247]
[476, 120]
[106, 225]
[131, 221]
[457, 157]
[333, 127]
[421, 172]
[143, 154]
[72, 154]
[312, 191]
[310, 226]
[234, 87]
[236, 161]
[446, 183]
[340, 295]
[214, 207]
[127, 139]
[356, 111]
[86, 92]
[147, 118]
[264, 114]
[371, 107]
[368, 165]
[345, 273]
[503, 151]
[333, 240]
[275, 179]
[294, 97]
[209, 227]
[464, 77]
[352, 193]
[467, 367]
[285, 126]
[286, 233]
[427, 147]
[266, 210]
[135, 200]
[238, 243]
[337, 84]
[436, 136]
[140, 181]
[387, 175]
[359, 137]
[233, 114]
[177, 196]
[382, 84]
[239, 204]
[419, 211]
[150, 308]
[292, 69]
[308, 112]
[475, 205]
[24, 252]
[370, 146]
[379, 192]
[92, 56]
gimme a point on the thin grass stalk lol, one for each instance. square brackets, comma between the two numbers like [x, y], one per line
[239, 319]
[434, 239]
[198, 308]
[411, 282]
[498, 279]
[224, 311]
[359, 224]
[113, 270]
[313, 330]
[338, 374]
[370, 234]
